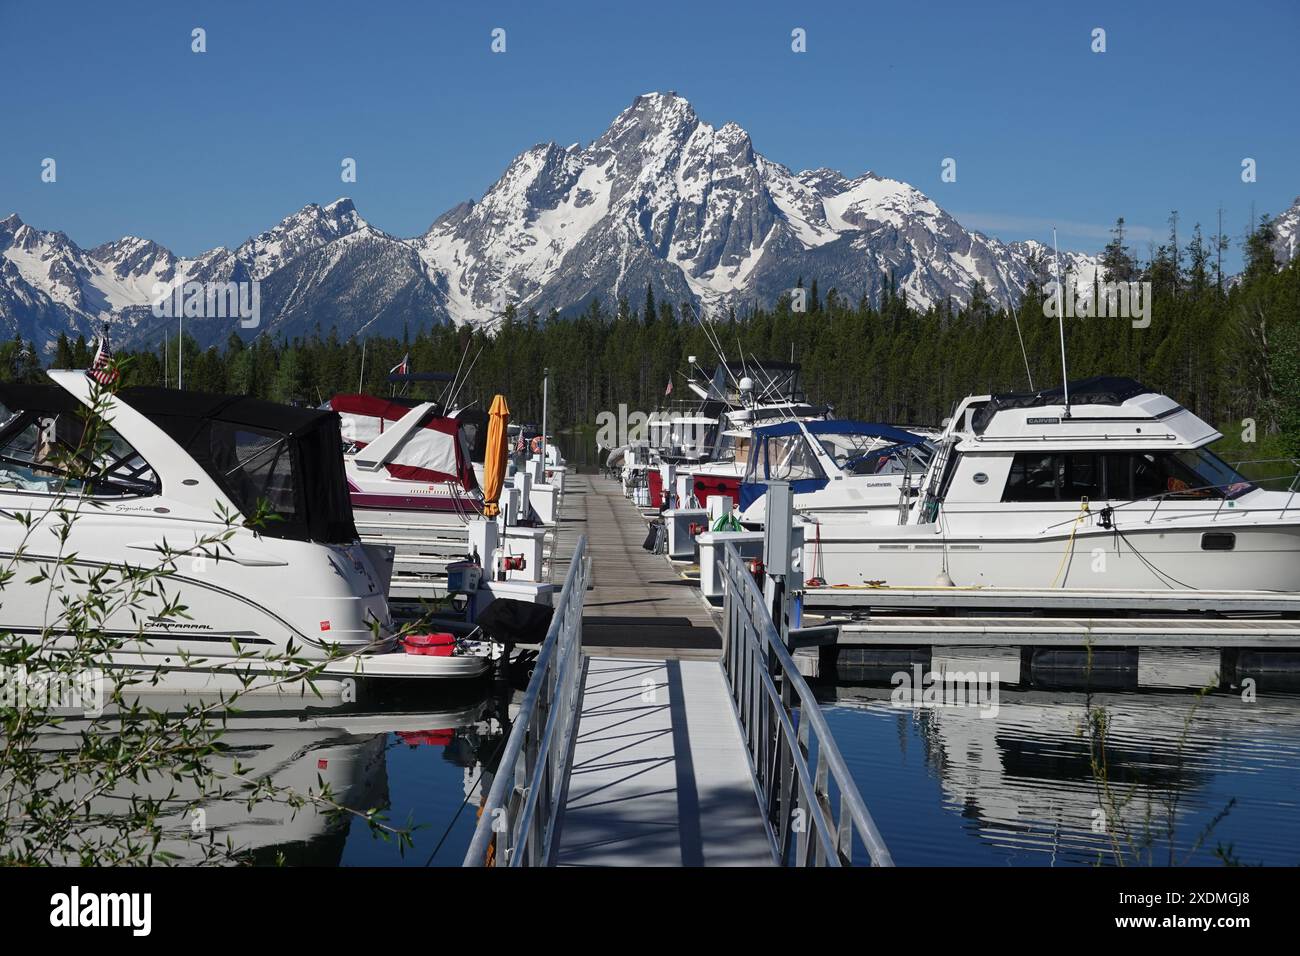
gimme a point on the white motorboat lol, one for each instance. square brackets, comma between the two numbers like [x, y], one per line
[835, 467]
[711, 443]
[1115, 489]
[408, 463]
[172, 472]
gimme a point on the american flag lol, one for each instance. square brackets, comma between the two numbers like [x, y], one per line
[669, 389]
[403, 367]
[102, 369]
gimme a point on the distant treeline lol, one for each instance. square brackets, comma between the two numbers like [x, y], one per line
[1228, 350]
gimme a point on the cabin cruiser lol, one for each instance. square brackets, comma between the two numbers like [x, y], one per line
[710, 441]
[834, 467]
[1114, 487]
[171, 473]
[408, 463]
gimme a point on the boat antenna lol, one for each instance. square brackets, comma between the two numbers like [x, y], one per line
[711, 334]
[1060, 318]
[361, 380]
[451, 386]
[465, 381]
[1025, 355]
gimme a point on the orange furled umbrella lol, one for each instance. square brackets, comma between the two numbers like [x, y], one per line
[494, 464]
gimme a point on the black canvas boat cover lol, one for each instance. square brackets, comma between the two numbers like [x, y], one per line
[258, 451]
[16, 396]
[255, 450]
[1098, 390]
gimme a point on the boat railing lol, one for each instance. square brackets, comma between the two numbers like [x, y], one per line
[813, 809]
[1190, 493]
[517, 824]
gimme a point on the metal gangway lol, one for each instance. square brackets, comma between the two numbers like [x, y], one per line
[813, 807]
[811, 810]
[517, 824]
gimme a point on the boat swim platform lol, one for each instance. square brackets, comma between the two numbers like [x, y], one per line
[660, 774]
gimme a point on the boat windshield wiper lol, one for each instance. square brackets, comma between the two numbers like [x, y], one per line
[243, 465]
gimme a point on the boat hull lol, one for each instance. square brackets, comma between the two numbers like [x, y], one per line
[1264, 558]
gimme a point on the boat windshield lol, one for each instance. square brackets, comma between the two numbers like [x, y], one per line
[57, 453]
[1214, 477]
[859, 454]
[783, 458]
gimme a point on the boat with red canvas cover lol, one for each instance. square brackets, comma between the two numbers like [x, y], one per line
[407, 462]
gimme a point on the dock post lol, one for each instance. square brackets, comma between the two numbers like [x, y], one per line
[778, 563]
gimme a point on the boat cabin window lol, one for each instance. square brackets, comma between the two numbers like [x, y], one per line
[1121, 476]
[694, 438]
[57, 453]
[256, 466]
[740, 450]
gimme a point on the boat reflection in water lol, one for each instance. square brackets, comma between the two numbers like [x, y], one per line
[1016, 785]
[299, 750]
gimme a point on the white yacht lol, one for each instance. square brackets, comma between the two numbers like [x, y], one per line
[835, 467]
[172, 470]
[1116, 488]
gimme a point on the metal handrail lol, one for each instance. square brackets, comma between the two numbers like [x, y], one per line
[780, 737]
[524, 802]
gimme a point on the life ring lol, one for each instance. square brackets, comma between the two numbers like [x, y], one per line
[536, 445]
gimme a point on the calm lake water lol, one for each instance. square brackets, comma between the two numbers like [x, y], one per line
[948, 787]
[945, 785]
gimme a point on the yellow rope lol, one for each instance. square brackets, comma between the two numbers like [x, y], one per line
[1069, 544]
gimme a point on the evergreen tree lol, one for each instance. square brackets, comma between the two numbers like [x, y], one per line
[1116, 259]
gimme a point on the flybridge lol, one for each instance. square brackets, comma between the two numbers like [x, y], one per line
[1104, 410]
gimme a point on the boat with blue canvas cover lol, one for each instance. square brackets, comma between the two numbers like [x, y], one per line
[835, 467]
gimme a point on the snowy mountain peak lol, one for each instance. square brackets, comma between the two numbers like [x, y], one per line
[308, 229]
[660, 198]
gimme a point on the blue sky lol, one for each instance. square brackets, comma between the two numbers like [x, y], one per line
[200, 150]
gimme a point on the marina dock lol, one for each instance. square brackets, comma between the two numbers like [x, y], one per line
[659, 772]
[637, 606]
[643, 741]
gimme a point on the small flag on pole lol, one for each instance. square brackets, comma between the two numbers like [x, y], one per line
[102, 369]
[669, 389]
[403, 367]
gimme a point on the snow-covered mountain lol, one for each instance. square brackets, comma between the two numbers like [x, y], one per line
[661, 198]
[666, 199]
[1286, 234]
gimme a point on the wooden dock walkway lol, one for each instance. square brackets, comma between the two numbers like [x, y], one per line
[660, 776]
[638, 606]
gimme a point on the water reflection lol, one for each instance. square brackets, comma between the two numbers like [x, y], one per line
[422, 763]
[1178, 780]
